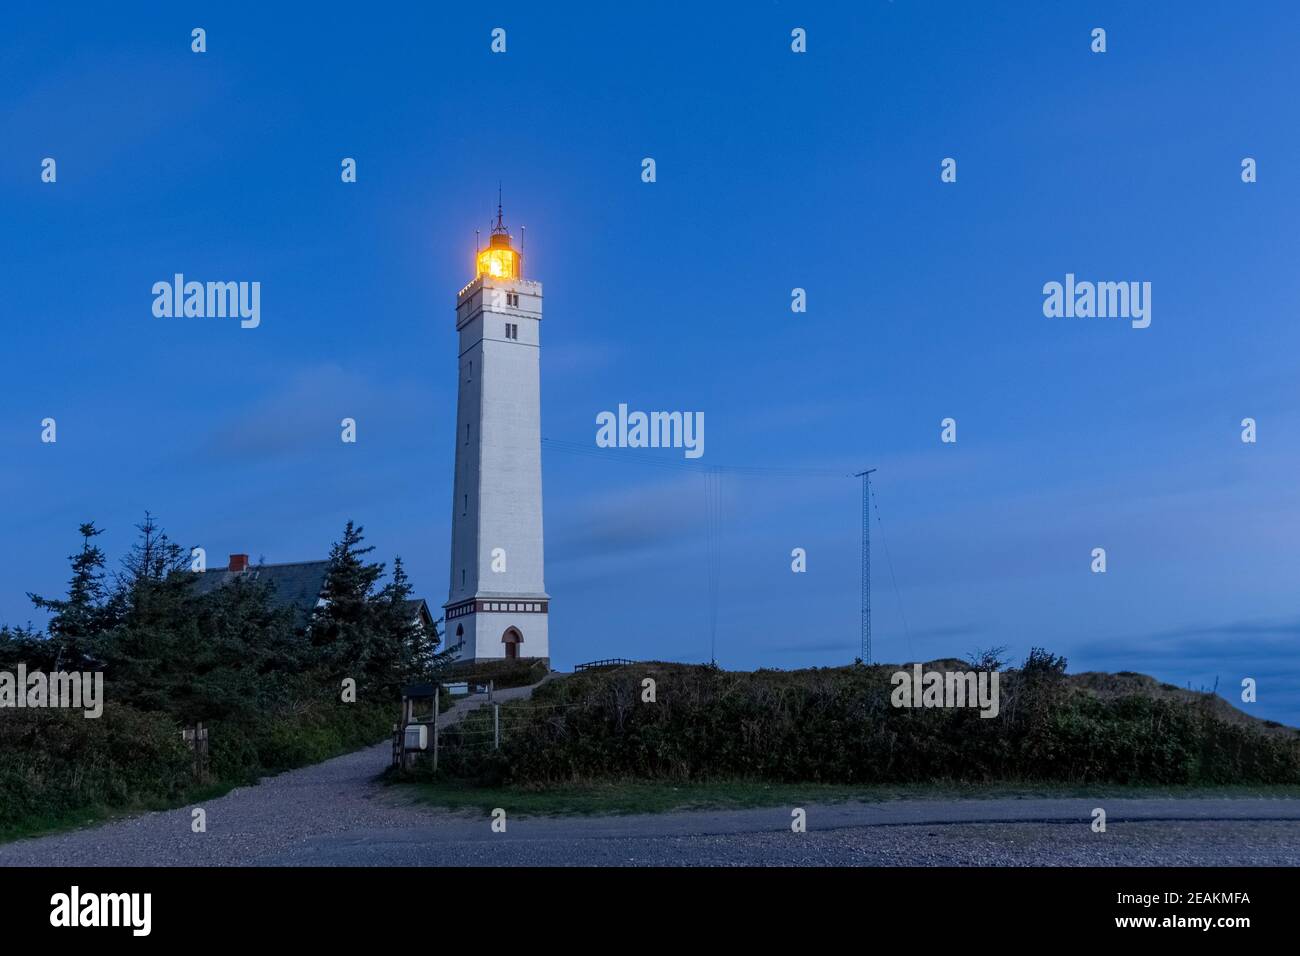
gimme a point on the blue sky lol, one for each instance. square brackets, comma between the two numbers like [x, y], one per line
[775, 171]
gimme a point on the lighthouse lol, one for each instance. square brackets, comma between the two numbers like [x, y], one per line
[498, 607]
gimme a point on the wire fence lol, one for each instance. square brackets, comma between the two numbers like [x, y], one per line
[489, 725]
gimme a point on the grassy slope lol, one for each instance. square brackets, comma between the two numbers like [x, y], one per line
[644, 796]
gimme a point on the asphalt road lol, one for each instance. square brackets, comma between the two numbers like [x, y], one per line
[335, 814]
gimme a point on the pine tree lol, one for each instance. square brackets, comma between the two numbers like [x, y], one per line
[83, 615]
[231, 652]
[367, 634]
[412, 650]
[152, 558]
[340, 628]
[248, 653]
[26, 645]
[149, 654]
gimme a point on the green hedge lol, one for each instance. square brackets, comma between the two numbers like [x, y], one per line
[520, 672]
[57, 766]
[837, 725]
[54, 763]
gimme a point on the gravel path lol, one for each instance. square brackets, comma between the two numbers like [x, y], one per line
[1201, 843]
[335, 813]
[243, 826]
[250, 823]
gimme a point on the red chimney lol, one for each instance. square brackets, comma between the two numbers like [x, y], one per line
[239, 562]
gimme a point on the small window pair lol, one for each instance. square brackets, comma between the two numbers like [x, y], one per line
[512, 331]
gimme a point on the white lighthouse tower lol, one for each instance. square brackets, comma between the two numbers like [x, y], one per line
[498, 606]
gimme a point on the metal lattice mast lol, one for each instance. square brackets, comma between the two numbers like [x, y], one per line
[866, 564]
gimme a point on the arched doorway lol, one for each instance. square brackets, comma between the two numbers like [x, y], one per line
[512, 639]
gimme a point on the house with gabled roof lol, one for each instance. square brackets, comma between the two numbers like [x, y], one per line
[299, 585]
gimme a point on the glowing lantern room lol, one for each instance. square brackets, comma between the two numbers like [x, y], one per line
[499, 260]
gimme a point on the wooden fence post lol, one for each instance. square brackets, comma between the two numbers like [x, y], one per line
[196, 739]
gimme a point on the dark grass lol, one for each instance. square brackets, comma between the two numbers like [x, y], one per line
[47, 824]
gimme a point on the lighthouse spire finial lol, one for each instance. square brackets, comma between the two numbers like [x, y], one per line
[500, 226]
[500, 260]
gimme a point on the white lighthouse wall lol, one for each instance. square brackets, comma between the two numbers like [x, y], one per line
[497, 493]
[510, 465]
[465, 483]
[490, 626]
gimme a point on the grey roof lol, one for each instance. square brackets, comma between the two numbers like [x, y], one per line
[297, 584]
